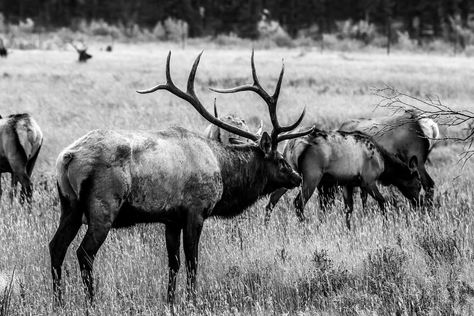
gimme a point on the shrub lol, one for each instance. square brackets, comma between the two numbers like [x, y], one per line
[271, 30]
[324, 280]
[230, 39]
[439, 246]
[159, 31]
[176, 30]
[361, 30]
[404, 41]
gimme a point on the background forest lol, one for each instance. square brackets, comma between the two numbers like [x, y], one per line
[421, 20]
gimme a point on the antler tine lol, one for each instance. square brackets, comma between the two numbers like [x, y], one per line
[256, 82]
[291, 127]
[254, 87]
[278, 86]
[215, 109]
[192, 75]
[170, 86]
[191, 98]
[75, 47]
[295, 135]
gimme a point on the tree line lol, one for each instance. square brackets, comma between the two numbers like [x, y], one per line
[420, 18]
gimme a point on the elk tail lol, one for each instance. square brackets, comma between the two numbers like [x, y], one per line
[29, 135]
[65, 188]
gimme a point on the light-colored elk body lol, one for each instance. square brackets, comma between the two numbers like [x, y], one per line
[20, 142]
[175, 177]
[136, 170]
[346, 159]
[405, 136]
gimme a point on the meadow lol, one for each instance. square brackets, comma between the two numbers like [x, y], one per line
[418, 262]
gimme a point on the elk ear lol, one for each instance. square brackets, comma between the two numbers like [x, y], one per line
[413, 163]
[266, 144]
[260, 128]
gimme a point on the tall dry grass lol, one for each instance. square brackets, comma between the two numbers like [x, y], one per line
[416, 263]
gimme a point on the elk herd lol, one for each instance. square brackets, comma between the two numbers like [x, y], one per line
[113, 178]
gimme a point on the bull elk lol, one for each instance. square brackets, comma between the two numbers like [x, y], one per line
[350, 159]
[21, 140]
[175, 177]
[83, 55]
[221, 135]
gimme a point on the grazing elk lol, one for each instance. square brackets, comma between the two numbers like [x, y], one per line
[221, 135]
[3, 49]
[350, 159]
[174, 177]
[83, 55]
[405, 136]
[20, 143]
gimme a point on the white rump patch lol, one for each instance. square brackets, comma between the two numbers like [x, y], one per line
[430, 129]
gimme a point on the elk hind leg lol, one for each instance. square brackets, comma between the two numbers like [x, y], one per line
[69, 225]
[311, 175]
[191, 235]
[173, 234]
[103, 206]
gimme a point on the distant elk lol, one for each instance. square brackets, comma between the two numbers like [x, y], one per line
[21, 141]
[227, 138]
[83, 55]
[3, 49]
[175, 177]
[349, 159]
[405, 135]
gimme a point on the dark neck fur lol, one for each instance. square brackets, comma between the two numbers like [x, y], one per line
[394, 167]
[244, 177]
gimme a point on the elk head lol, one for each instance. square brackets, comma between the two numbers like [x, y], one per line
[408, 181]
[278, 172]
[83, 55]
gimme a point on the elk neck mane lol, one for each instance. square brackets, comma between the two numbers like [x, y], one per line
[244, 178]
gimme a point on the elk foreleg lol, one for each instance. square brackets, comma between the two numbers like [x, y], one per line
[428, 185]
[363, 197]
[13, 191]
[274, 198]
[349, 202]
[375, 193]
[327, 195]
[191, 235]
[173, 234]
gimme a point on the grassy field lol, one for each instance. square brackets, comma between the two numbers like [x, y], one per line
[418, 263]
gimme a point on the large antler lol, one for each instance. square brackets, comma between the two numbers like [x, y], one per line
[190, 97]
[272, 104]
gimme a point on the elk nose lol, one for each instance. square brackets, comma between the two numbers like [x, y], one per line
[297, 179]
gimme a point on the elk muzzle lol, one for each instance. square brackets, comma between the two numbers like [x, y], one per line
[295, 180]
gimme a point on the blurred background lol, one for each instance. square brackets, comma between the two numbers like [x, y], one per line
[432, 25]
